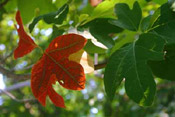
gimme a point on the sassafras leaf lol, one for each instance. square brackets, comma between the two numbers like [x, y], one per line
[55, 62]
[130, 62]
[26, 44]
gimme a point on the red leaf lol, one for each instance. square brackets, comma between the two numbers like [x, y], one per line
[26, 44]
[55, 66]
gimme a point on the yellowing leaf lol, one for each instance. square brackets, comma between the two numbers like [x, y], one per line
[84, 59]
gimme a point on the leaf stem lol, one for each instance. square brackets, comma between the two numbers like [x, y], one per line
[40, 49]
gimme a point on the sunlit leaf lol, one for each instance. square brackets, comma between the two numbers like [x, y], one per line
[53, 17]
[28, 8]
[55, 62]
[84, 59]
[26, 44]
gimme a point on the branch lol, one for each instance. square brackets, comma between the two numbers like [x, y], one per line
[3, 60]
[100, 65]
[3, 3]
[10, 74]
[14, 98]
[25, 68]
[17, 86]
[14, 87]
[165, 85]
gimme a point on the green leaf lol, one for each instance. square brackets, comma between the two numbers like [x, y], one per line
[165, 24]
[166, 14]
[165, 27]
[130, 62]
[56, 32]
[154, 17]
[148, 22]
[103, 10]
[92, 48]
[124, 38]
[106, 9]
[165, 69]
[167, 32]
[101, 28]
[127, 18]
[53, 17]
[28, 8]
[145, 23]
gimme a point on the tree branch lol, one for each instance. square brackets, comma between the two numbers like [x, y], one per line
[10, 74]
[100, 65]
[24, 68]
[17, 86]
[2, 60]
[14, 98]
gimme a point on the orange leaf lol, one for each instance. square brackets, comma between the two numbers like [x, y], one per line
[26, 44]
[55, 66]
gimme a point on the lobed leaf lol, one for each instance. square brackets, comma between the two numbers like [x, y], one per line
[26, 44]
[123, 39]
[127, 19]
[148, 22]
[92, 48]
[55, 62]
[164, 25]
[165, 69]
[166, 14]
[130, 62]
[101, 29]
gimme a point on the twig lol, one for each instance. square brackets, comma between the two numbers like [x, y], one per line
[17, 86]
[5, 58]
[100, 65]
[25, 68]
[10, 74]
[14, 98]
[3, 3]
[167, 85]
